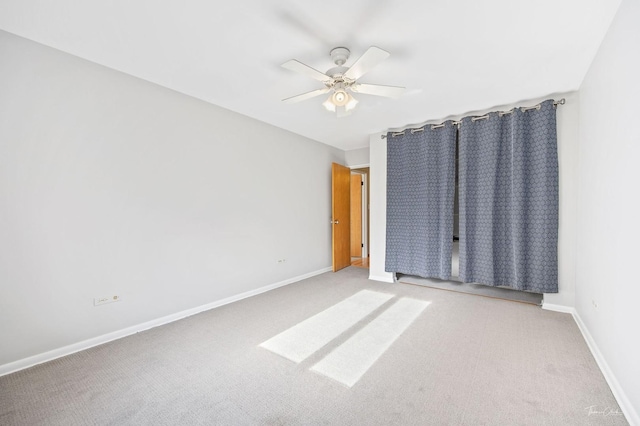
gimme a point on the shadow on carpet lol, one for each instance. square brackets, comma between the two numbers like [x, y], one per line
[477, 289]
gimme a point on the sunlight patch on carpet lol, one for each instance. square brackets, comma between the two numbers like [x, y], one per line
[303, 339]
[351, 360]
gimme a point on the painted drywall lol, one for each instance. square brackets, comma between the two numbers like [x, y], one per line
[110, 185]
[567, 119]
[378, 208]
[357, 157]
[608, 227]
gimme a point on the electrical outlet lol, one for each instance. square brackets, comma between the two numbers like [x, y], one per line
[595, 305]
[104, 300]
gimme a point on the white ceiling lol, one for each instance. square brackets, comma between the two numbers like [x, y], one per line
[453, 56]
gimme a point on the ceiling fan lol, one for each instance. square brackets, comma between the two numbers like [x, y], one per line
[341, 80]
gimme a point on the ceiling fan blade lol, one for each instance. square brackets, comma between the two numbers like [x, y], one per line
[372, 57]
[378, 90]
[307, 95]
[298, 66]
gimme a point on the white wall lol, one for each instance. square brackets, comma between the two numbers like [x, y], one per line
[567, 117]
[608, 228]
[357, 157]
[113, 185]
[378, 208]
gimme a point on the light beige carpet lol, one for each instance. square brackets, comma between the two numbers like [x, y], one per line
[464, 360]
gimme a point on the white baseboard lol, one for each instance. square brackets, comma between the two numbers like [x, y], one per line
[558, 308]
[623, 401]
[621, 397]
[384, 279]
[21, 364]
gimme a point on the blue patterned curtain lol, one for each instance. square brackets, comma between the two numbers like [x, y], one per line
[420, 187]
[508, 189]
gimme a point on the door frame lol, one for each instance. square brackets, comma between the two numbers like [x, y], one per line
[365, 205]
[365, 211]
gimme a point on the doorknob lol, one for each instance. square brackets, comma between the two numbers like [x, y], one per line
[335, 222]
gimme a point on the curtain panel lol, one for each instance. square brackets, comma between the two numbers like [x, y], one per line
[508, 199]
[420, 190]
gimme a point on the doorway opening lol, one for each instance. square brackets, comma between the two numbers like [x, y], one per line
[359, 212]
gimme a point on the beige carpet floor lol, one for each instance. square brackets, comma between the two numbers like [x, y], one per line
[464, 360]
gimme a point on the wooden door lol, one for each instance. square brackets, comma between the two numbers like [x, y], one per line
[340, 211]
[356, 215]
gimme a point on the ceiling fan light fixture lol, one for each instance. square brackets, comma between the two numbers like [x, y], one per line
[340, 97]
[351, 104]
[329, 105]
[340, 81]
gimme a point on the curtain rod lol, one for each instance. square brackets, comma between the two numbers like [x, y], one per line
[482, 117]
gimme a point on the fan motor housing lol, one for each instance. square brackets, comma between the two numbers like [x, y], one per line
[337, 71]
[340, 55]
